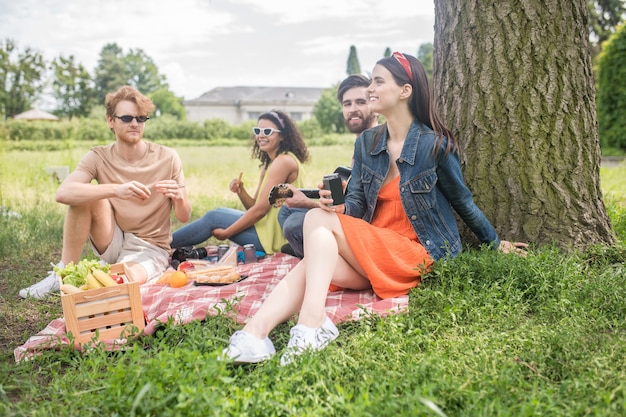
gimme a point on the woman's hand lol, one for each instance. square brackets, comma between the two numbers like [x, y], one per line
[326, 202]
[518, 248]
[236, 185]
[220, 234]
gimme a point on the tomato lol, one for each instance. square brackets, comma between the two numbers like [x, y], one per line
[186, 266]
[117, 278]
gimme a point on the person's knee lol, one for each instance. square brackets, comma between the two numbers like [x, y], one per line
[317, 216]
[95, 215]
[293, 225]
[210, 219]
[293, 235]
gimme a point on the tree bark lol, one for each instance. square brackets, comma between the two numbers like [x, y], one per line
[513, 80]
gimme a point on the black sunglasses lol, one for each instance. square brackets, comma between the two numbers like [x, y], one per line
[267, 131]
[127, 118]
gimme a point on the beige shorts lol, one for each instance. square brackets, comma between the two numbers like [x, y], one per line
[126, 247]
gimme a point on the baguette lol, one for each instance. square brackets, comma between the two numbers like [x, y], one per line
[210, 271]
[70, 289]
[224, 277]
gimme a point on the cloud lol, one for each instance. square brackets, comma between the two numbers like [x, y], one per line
[202, 44]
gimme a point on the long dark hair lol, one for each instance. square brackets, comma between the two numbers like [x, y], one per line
[421, 102]
[292, 138]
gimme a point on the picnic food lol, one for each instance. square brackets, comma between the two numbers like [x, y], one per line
[104, 278]
[86, 275]
[221, 274]
[178, 279]
[76, 274]
[70, 289]
[186, 266]
[92, 282]
[117, 278]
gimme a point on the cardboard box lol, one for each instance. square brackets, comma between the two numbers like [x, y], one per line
[109, 312]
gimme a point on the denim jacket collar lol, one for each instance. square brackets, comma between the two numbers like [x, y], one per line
[409, 150]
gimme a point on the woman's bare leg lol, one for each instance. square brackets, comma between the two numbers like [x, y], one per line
[328, 259]
[284, 301]
[305, 287]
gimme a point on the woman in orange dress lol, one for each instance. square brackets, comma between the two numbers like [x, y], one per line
[397, 219]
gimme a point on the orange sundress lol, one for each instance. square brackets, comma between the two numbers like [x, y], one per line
[387, 248]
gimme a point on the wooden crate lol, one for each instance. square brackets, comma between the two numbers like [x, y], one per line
[108, 312]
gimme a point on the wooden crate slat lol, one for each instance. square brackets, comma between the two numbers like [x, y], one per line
[91, 308]
[102, 321]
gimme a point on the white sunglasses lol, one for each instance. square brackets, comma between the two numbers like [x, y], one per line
[267, 131]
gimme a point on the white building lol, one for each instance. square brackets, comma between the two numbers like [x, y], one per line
[239, 104]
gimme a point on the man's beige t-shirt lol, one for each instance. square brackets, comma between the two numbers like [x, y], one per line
[147, 219]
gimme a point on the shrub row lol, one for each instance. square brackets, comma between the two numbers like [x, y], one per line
[158, 128]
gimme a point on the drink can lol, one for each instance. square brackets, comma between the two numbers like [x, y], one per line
[221, 251]
[249, 253]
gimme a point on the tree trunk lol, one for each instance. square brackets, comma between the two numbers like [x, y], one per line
[513, 80]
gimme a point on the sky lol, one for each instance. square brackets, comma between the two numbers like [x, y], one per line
[202, 44]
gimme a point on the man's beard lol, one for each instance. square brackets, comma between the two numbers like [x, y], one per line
[363, 124]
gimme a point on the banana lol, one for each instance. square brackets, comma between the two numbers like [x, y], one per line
[92, 282]
[104, 278]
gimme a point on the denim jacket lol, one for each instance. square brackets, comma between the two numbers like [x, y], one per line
[430, 187]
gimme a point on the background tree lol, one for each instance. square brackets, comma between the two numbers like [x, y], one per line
[517, 89]
[137, 69]
[21, 78]
[73, 88]
[611, 70]
[111, 72]
[604, 17]
[387, 52]
[328, 112]
[353, 62]
[425, 55]
[167, 103]
[144, 74]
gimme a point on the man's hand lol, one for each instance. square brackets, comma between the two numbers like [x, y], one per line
[518, 248]
[133, 189]
[299, 199]
[169, 188]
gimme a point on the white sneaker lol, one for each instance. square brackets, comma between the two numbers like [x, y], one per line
[49, 284]
[305, 338]
[245, 348]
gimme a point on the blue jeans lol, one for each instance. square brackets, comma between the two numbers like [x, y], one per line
[200, 230]
[291, 221]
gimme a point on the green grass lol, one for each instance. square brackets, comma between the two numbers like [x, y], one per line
[486, 334]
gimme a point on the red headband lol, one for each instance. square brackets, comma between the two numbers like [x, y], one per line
[405, 64]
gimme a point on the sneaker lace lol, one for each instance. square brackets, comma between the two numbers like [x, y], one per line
[297, 339]
[323, 337]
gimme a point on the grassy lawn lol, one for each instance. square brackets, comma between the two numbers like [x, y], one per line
[486, 334]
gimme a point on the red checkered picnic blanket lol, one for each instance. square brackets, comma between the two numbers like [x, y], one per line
[162, 303]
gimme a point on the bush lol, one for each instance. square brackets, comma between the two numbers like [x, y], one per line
[169, 127]
[27, 135]
[92, 129]
[17, 130]
[611, 70]
[310, 129]
[243, 132]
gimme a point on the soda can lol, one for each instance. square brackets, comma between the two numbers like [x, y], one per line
[221, 251]
[249, 253]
